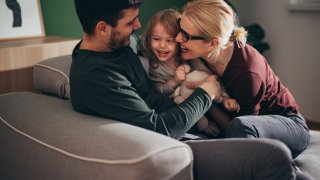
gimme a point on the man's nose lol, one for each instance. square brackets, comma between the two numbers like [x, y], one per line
[137, 24]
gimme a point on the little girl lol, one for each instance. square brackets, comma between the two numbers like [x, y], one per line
[165, 65]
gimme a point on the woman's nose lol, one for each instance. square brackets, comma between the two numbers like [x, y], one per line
[178, 37]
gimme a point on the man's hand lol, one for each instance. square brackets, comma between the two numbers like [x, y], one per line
[210, 85]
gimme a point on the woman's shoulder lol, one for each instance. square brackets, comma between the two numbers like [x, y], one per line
[249, 58]
[246, 61]
[249, 52]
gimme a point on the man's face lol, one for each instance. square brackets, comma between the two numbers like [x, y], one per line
[120, 35]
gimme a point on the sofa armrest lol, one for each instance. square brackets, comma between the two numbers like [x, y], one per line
[42, 137]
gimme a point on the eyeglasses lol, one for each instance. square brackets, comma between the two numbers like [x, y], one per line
[186, 36]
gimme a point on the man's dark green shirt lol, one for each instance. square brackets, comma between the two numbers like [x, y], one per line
[115, 85]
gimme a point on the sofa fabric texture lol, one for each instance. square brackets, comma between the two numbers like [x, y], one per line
[309, 160]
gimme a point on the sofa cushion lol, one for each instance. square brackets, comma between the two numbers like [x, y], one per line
[52, 76]
[309, 160]
[42, 137]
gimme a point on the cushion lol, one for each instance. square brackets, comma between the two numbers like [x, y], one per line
[51, 76]
[309, 160]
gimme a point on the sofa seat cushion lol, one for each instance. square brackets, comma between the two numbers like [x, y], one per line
[309, 160]
[42, 137]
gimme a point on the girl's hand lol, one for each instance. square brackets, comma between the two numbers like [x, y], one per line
[230, 104]
[180, 74]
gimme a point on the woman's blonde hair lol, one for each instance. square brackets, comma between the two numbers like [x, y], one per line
[168, 19]
[216, 19]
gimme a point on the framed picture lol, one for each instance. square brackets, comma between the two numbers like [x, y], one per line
[20, 19]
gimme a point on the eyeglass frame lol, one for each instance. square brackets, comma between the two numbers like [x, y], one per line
[186, 36]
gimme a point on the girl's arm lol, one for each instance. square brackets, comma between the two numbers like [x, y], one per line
[165, 84]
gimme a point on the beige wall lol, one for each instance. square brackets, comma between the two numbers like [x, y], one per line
[294, 38]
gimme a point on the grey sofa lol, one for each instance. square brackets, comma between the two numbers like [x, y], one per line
[42, 137]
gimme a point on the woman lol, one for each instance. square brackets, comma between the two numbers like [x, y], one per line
[208, 29]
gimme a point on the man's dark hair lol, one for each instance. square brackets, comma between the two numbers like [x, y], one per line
[90, 12]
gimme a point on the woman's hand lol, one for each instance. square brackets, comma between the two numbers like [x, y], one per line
[210, 84]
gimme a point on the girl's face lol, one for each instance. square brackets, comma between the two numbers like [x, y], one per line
[163, 45]
[191, 48]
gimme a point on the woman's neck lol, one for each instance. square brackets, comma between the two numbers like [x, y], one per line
[219, 64]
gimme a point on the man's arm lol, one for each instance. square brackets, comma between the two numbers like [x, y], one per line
[127, 106]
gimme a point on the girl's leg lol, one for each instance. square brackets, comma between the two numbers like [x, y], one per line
[291, 130]
[219, 116]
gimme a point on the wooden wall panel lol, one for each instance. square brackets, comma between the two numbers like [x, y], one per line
[17, 59]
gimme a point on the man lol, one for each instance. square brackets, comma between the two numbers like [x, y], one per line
[107, 79]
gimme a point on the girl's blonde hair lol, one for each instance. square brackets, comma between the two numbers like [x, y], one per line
[168, 19]
[216, 19]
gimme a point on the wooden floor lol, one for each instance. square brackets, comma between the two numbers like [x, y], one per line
[313, 125]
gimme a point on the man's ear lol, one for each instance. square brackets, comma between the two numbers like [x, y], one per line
[103, 28]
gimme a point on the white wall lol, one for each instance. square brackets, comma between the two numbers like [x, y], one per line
[294, 39]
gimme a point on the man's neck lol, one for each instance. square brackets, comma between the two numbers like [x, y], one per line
[93, 43]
